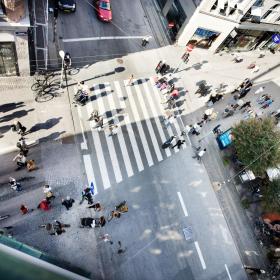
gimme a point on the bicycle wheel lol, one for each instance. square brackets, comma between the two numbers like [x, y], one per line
[43, 96]
[37, 85]
[74, 71]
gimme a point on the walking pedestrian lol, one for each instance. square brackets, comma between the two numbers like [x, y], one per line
[20, 160]
[199, 154]
[24, 210]
[48, 192]
[113, 128]
[129, 83]
[106, 238]
[96, 206]
[179, 143]
[267, 103]
[14, 184]
[44, 205]
[120, 250]
[30, 165]
[18, 127]
[145, 41]
[87, 195]
[68, 202]
[245, 105]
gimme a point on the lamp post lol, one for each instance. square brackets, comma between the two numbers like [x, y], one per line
[61, 54]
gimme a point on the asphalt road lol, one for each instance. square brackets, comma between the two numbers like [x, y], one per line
[128, 21]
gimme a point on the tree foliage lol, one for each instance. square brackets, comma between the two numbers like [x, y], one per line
[257, 142]
[272, 196]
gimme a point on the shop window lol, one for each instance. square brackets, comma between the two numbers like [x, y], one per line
[268, 12]
[8, 65]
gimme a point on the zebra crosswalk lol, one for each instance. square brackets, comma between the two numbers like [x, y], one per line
[137, 112]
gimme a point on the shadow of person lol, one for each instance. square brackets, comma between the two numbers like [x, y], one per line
[46, 125]
[15, 115]
[53, 136]
[4, 129]
[11, 106]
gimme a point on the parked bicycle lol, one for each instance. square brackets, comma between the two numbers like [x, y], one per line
[45, 86]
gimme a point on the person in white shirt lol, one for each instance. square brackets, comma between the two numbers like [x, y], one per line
[259, 90]
[199, 154]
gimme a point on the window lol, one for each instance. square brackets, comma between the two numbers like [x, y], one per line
[214, 7]
[268, 12]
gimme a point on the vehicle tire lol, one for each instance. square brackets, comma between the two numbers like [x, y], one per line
[44, 97]
[35, 86]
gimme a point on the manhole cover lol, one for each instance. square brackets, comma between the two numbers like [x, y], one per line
[188, 233]
[120, 61]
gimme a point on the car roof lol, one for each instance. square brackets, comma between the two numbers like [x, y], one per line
[69, 2]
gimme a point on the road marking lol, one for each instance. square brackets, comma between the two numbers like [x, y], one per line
[99, 151]
[130, 132]
[101, 38]
[200, 255]
[139, 126]
[148, 122]
[84, 143]
[109, 140]
[120, 137]
[89, 172]
[157, 95]
[229, 277]
[156, 118]
[183, 204]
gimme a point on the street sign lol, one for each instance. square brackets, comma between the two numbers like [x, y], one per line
[276, 38]
[189, 48]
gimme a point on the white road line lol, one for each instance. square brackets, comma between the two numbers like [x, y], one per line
[109, 140]
[120, 136]
[229, 277]
[131, 133]
[139, 125]
[157, 95]
[99, 151]
[84, 143]
[200, 255]
[148, 122]
[183, 204]
[156, 118]
[89, 172]
[101, 38]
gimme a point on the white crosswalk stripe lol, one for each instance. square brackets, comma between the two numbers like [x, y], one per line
[109, 140]
[99, 151]
[137, 111]
[139, 125]
[131, 135]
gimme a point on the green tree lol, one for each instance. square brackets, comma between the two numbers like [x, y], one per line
[272, 196]
[257, 142]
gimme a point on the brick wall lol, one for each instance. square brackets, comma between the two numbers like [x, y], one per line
[15, 9]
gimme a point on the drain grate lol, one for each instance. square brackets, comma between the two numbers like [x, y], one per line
[188, 233]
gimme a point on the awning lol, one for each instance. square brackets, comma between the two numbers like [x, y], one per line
[259, 26]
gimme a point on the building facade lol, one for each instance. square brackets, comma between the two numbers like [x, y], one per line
[234, 25]
[14, 51]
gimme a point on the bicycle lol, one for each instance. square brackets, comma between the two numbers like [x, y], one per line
[44, 96]
[42, 79]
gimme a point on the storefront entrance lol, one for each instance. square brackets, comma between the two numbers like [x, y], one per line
[247, 40]
[8, 59]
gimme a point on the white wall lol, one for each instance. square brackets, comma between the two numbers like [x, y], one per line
[212, 23]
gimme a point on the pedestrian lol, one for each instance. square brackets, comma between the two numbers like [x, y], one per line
[14, 184]
[114, 214]
[120, 250]
[24, 210]
[48, 192]
[20, 160]
[158, 67]
[259, 90]
[106, 238]
[113, 128]
[245, 105]
[98, 122]
[179, 143]
[145, 41]
[68, 202]
[129, 83]
[18, 127]
[267, 103]
[87, 195]
[30, 165]
[44, 205]
[199, 154]
[168, 142]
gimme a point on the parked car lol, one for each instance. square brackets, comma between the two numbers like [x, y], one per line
[103, 10]
[67, 5]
